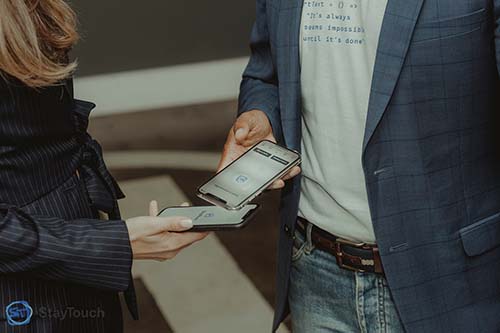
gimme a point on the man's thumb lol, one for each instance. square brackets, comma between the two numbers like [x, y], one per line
[241, 130]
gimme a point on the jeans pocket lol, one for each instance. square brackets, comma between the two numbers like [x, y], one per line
[299, 245]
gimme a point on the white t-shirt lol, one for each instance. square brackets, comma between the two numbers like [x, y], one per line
[338, 44]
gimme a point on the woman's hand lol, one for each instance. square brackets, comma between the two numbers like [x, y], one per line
[160, 238]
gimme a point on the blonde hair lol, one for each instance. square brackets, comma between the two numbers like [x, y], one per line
[35, 37]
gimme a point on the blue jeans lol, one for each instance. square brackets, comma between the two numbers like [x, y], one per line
[325, 298]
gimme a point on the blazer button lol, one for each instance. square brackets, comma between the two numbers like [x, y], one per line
[287, 230]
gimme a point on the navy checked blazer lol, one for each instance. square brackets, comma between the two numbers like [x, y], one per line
[430, 153]
[55, 253]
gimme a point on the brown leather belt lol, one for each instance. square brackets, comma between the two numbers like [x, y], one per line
[358, 257]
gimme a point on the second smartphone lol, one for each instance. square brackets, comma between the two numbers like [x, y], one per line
[213, 218]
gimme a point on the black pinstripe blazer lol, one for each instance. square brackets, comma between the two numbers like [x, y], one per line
[55, 254]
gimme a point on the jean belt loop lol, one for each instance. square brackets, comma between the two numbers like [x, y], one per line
[309, 243]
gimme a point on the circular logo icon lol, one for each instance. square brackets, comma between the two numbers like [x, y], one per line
[241, 179]
[18, 313]
[209, 215]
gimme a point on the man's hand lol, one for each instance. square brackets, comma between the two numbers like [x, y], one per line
[250, 128]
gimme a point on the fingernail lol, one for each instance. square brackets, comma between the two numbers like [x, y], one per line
[239, 132]
[187, 223]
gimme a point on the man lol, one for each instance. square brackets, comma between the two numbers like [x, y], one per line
[396, 216]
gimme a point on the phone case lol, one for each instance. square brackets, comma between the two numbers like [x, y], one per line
[221, 227]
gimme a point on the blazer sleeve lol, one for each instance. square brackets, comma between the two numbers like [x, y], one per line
[87, 252]
[259, 87]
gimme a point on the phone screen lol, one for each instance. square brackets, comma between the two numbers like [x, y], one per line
[250, 173]
[209, 215]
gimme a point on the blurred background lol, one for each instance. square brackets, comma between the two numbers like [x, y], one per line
[165, 78]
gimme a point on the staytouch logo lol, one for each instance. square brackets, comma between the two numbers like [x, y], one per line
[19, 313]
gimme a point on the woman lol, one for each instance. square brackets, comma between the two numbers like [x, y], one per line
[61, 267]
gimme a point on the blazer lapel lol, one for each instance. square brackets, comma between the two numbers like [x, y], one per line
[290, 13]
[397, 30]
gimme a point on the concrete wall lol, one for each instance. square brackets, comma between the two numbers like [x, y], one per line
[125, 35]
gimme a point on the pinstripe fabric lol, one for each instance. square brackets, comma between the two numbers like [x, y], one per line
[54, 252]
[431, 155]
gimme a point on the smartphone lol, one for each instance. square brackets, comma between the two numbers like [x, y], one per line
[213, 218]
[248, 176]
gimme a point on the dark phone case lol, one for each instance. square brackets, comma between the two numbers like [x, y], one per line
[221, 227]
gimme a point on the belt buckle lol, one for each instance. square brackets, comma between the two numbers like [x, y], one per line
[340, 260]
